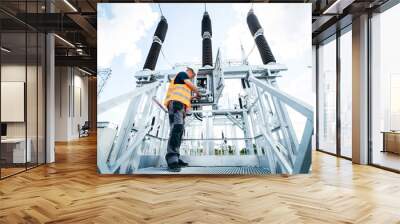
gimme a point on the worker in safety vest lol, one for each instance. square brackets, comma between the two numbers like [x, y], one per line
[178, 102]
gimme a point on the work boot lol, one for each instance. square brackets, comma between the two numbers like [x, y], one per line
[182, 164]
[174, 167]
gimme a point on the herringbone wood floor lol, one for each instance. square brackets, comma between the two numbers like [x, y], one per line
[70, 191]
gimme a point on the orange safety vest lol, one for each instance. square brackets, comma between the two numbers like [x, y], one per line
[178, 92]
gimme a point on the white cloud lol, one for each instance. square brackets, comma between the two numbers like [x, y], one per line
[119, 34]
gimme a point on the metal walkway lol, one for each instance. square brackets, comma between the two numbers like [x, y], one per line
[207, 171]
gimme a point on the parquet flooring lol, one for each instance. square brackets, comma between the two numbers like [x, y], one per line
[10, 171]
[71, 191]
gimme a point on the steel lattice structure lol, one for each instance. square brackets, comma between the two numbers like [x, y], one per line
[102, 77]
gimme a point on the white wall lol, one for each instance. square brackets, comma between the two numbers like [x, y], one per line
[9, 73]
[71, 102]
[33, 126]
[17, 73]
[80, 108]
[12, 73]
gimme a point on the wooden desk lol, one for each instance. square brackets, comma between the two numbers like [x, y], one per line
[13, 150]
[391, 141]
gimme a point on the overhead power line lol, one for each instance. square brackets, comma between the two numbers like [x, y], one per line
[159, 6]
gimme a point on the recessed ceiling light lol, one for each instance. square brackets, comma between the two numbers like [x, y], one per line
[64, 40]
[5, 50]
[70, 5]
[84, 71]
[338, 6]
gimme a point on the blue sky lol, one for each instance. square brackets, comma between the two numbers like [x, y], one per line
[125, 33]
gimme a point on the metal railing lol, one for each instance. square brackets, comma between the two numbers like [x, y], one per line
[143, 119]
[284, 151]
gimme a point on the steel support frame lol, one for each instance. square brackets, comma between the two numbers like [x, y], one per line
[128, 144]
[303, 148]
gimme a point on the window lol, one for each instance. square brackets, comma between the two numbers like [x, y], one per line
[327, 96]
[385, 89]
[346, 94]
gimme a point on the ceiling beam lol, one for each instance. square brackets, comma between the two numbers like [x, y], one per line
[86, 26]
[78, 61]
[49, 22]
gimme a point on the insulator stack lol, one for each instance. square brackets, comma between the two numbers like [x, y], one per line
[206, 33]
[258, 35]
[158, 39]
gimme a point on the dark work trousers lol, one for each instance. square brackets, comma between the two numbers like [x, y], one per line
[176, 112]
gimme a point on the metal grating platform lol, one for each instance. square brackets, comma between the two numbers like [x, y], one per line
[207, 170]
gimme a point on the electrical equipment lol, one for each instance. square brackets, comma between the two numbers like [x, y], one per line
[258, 34]
[206, 34]
[208, 79]
[210, 83]
[205, 84]
[158, 39]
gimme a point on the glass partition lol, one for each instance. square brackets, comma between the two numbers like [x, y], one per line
[22, 88]
[14, 154]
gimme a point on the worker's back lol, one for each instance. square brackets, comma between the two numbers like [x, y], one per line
[178, 90]
[180, 78]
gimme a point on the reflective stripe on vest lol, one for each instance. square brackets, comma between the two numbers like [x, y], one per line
[178, 92]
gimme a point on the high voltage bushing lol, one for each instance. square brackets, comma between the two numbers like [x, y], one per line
[258, 34]
[206, 33]
[158, 39]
